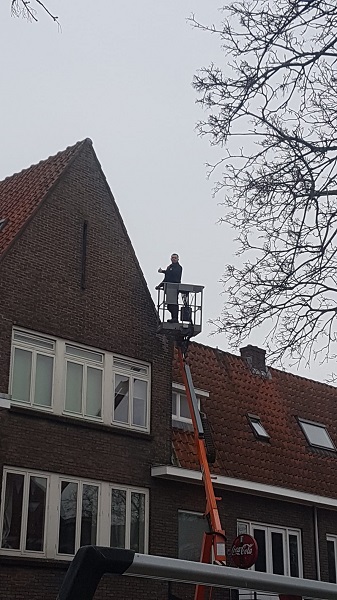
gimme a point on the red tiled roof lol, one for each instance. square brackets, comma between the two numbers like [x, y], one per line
[287, 460]
[22, 193]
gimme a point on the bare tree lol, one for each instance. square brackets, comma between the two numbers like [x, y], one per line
[29, 10]
[273, 108]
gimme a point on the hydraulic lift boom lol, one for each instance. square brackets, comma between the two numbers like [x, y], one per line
[214, 542]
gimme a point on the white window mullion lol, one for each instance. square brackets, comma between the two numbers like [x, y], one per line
[59, 383]
[53, 516]
[128, 519]
[78, 515]
[32, 379]
[84, 389]
[104, 516]
[131, 388]
[108, 390]
[24, 512]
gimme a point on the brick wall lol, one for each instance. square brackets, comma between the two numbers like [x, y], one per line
[40, 289]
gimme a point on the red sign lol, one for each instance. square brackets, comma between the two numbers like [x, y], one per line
[244, 551]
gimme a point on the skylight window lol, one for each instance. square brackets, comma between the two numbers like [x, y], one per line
[317, 435]
[2, 223]
[257, 427]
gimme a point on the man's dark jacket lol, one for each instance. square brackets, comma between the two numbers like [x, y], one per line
[173, 273]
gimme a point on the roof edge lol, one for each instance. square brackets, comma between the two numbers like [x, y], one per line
[81, 145]
[245, 486]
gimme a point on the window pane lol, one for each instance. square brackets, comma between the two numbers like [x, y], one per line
[121, 406]
[119, 363]
[74, 387]
[184, 408]
[331, 561]
[68, 510]
[11, 529]
[21, 375]
[34, 340]
[191, 529]
[94, 392]
[118, 518]
[43, 380]
[86, 354]
[36, 513]
[261, 563]
[277, 553]
[137, 531]
[139, 402]
[260, 430]
[317, 435]
[293, 556]
[89, 515]
[242, 528]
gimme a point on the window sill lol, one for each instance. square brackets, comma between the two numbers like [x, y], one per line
[34, 562]
[112, 429]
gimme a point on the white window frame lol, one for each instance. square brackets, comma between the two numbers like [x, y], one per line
[21, 551]
[129, 491]
[333, 539]
[179, 390]
[110, 365]
[128, 367]
[260, 434]
[35, 350]
[52, 513]
[244, 526]
[85, 363]
[80, 483]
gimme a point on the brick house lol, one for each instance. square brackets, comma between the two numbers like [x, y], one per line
[89, 380]
[85, 409]
[275, 436]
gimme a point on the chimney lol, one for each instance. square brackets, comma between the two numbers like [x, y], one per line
[255, 358]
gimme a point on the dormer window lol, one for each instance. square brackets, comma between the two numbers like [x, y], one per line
[257, 427]
[180, 407]
[317, 434]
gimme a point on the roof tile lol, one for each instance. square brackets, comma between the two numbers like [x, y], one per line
[234, 391]
[22, 193]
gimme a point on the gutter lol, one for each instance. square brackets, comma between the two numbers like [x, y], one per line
[169, 472]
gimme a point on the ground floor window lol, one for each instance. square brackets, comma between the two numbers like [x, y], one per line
[331, 541]
[49, 515]
[191, 528]
[280, 550]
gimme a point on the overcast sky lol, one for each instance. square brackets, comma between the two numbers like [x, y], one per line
[120, 73]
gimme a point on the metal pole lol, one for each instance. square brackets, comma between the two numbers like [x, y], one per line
[220, 576]
[91, 562]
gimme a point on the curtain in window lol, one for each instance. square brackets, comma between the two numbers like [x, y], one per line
[11, 532]
[139, 402]
[118, 518]
[74, 387]
[43, 380]
[22, 375]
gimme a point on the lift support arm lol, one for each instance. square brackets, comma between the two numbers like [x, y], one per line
[91, 562]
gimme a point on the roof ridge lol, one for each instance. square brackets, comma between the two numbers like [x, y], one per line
[71, 147]
[23, 193]
[225, 353]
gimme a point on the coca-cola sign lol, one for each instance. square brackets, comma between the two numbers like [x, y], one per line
[244, 551]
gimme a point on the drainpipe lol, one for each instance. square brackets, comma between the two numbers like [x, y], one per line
[318, 562]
